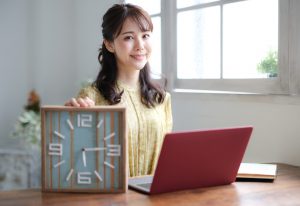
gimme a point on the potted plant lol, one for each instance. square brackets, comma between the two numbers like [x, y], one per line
[269, 64]
[28, 125]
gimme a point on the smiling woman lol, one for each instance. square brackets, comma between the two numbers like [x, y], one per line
[132, 48]
[124, 79]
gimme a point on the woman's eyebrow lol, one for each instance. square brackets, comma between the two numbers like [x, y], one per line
[127, 32]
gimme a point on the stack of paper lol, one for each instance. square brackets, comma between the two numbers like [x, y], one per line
[257, 171]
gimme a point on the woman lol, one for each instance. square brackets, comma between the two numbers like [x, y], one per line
[124, 79]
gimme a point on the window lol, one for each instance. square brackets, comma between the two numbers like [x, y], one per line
[222, 45]
[226, 41]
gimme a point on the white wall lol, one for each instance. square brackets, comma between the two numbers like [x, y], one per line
[14, 63]
[52, 46]
[66, 40]
[276, 134]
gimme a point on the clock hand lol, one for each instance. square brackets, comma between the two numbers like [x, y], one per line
[93, 149]
[88, 150]
[84, 158]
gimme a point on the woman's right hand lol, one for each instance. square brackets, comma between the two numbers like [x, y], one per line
[80, 102]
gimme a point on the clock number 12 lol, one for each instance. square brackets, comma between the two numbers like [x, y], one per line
[84, 120]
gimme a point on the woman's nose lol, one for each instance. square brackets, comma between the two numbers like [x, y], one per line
[139, 44]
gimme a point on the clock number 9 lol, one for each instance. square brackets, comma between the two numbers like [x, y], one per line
[55, 149]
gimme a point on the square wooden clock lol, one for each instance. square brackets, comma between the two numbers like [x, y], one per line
[84, 149]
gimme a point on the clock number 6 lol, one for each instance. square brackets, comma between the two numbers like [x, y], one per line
[84, 178]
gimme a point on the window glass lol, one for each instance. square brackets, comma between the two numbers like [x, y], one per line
[198, 43]
[187, 3]
[250, 38]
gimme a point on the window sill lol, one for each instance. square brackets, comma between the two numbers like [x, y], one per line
[236, 96]
[194, 91]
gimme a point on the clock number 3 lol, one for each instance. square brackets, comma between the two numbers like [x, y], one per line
[111, 151]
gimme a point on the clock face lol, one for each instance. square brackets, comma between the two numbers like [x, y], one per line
[84, 149]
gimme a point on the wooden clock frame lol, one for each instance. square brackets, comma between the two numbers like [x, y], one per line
[57, 176]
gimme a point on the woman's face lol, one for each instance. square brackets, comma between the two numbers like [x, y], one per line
[132, 48]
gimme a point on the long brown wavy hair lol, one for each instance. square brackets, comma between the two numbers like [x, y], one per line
[113, 20]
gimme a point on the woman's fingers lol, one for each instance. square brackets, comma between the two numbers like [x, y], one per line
[80, 102]
[89, 101]
[67, 103]
[72, 102]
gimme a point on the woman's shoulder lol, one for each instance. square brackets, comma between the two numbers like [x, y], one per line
[167, 97]
[93, 93]
[88, 91]
[167, 100]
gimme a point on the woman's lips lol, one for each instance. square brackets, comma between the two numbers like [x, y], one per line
[139, 56]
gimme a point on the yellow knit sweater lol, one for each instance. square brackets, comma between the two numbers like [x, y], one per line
[146, 127]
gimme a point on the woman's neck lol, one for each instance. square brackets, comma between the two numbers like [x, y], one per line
[130, 79]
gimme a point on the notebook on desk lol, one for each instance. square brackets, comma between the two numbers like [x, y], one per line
[195, 159]
[257, 172]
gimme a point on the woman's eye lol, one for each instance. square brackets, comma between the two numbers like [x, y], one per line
[146, 36]
[128, 38]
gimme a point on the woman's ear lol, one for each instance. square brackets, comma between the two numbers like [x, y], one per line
[109, 46]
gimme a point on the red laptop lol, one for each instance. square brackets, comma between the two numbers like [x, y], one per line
[195, 159]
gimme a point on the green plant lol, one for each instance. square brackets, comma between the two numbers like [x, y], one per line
[28, 126]
[269, 65]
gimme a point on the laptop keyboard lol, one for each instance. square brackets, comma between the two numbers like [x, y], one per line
[141, 182]
[145, 185]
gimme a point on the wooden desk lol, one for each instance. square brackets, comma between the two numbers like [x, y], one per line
[285, 190]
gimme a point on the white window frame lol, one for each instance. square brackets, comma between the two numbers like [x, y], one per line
[279, 85]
